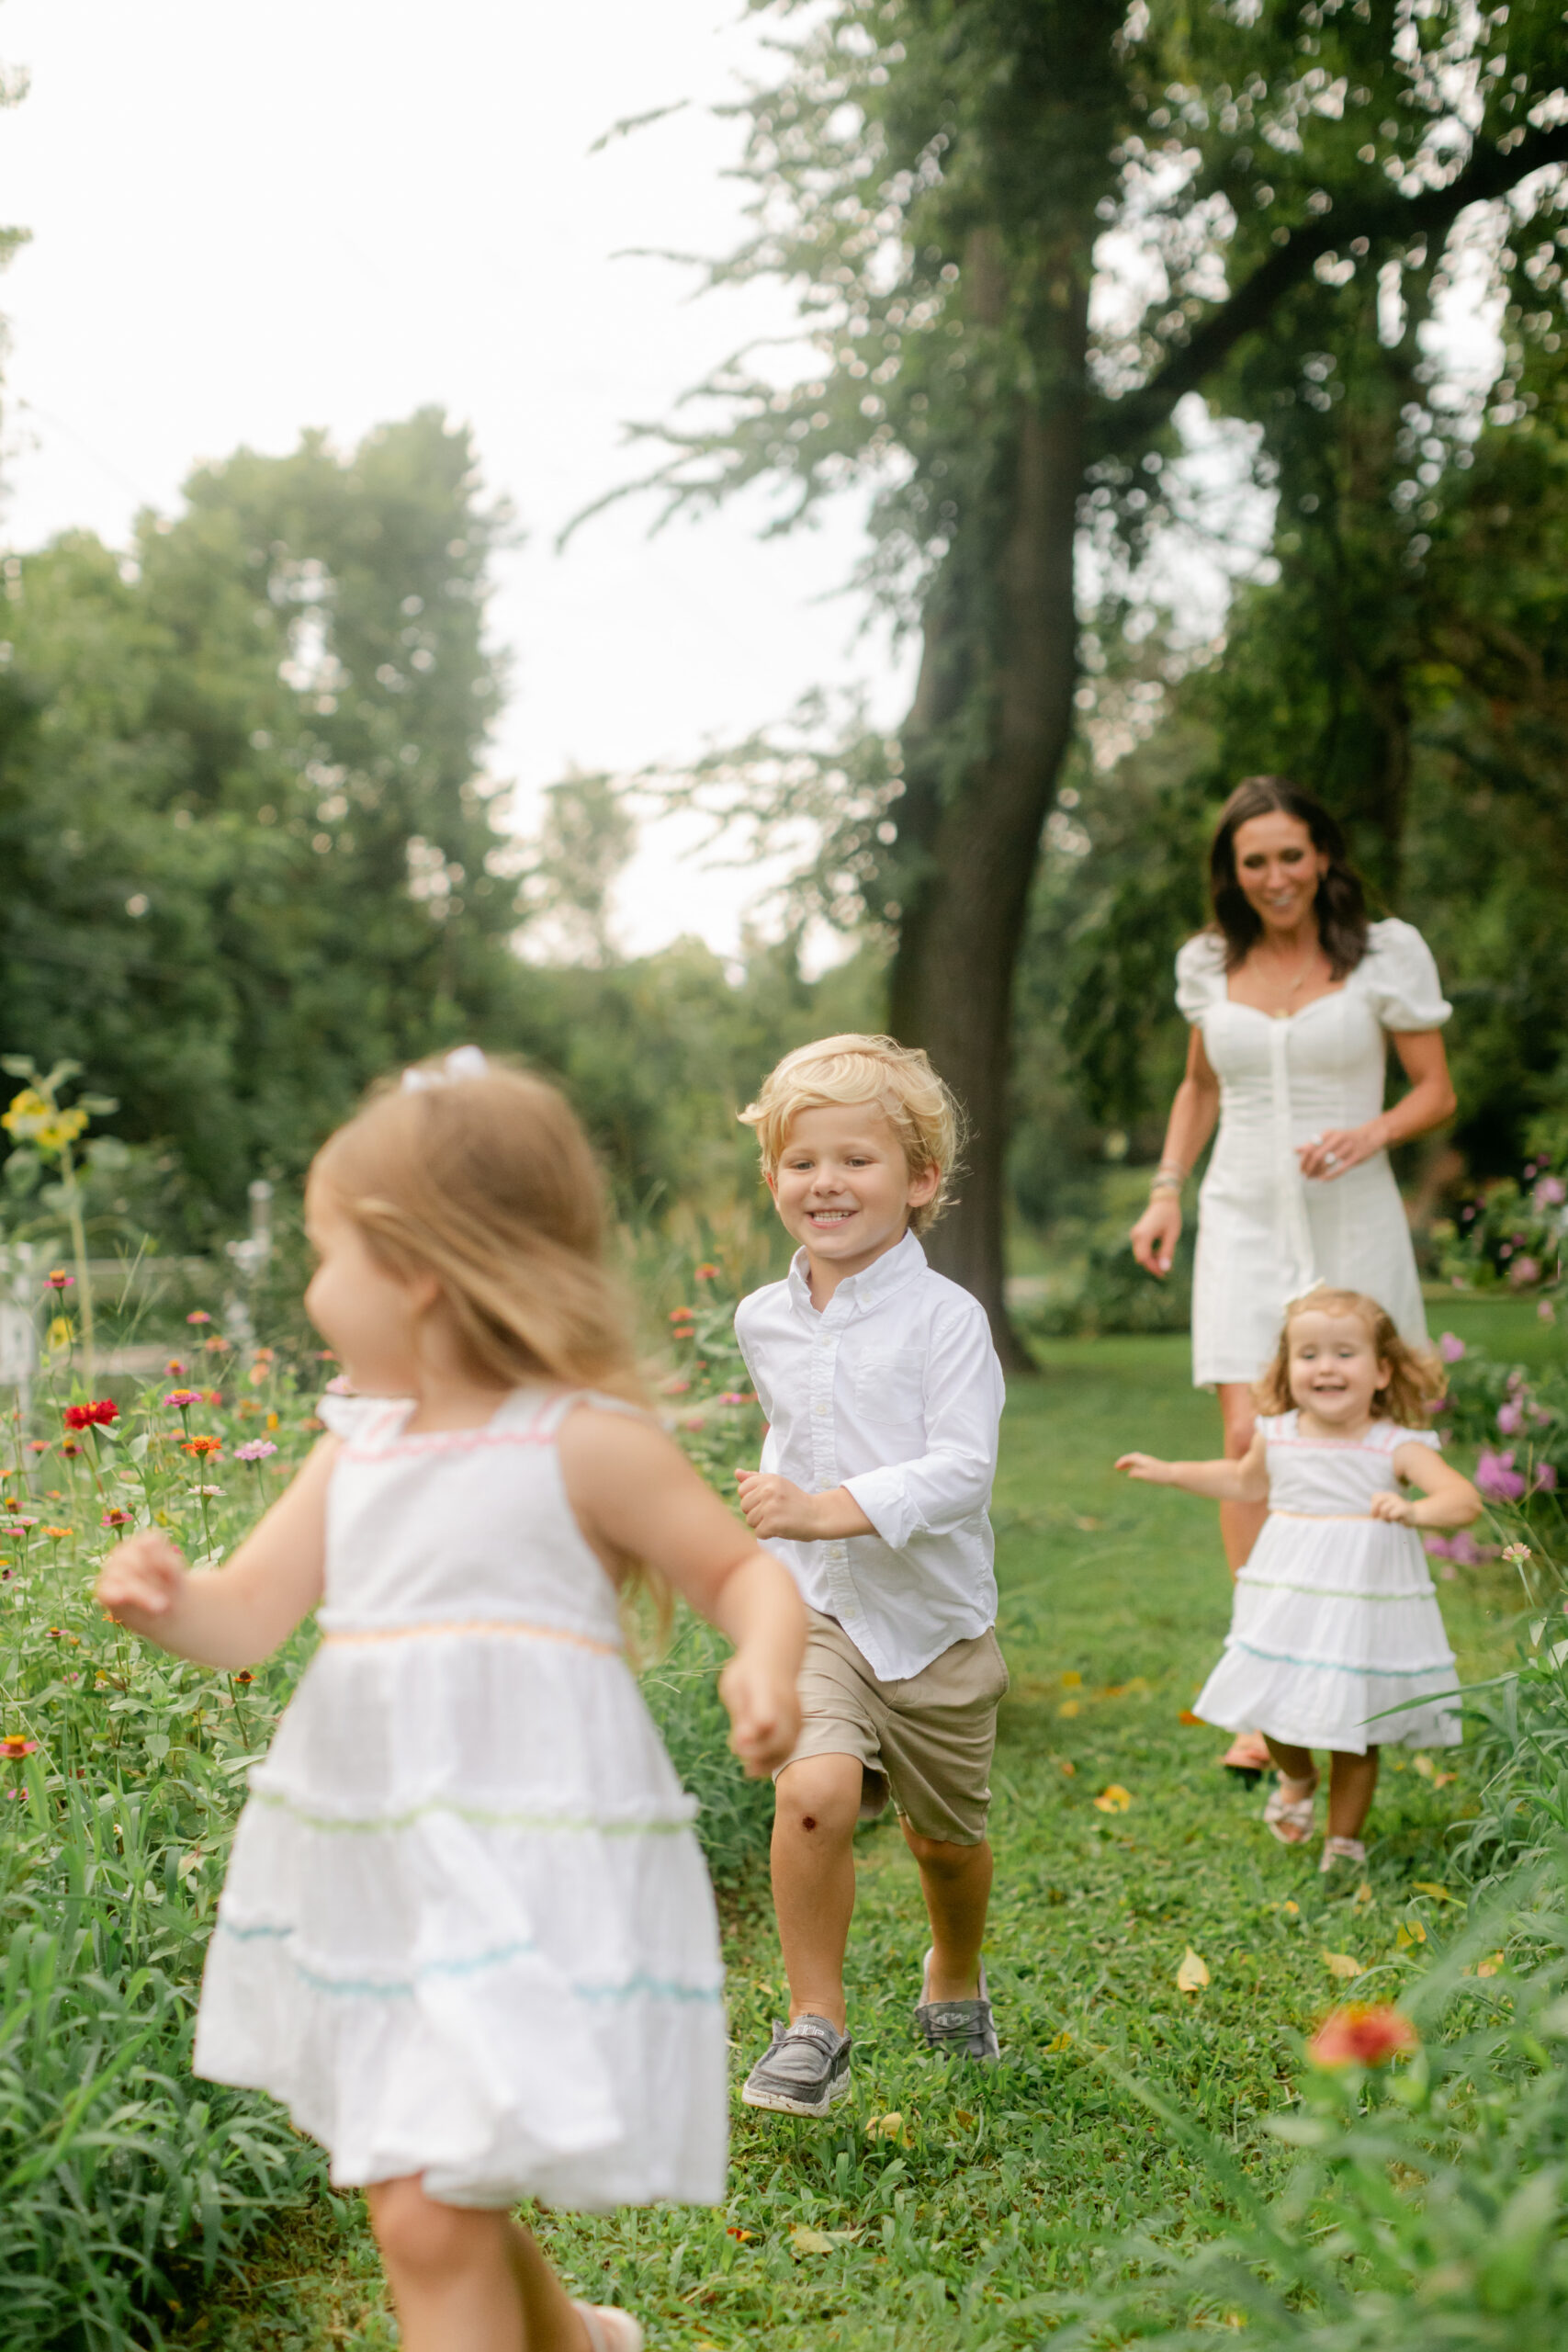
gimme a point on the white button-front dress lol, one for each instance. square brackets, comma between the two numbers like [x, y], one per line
[1264, 1233]
[1335, 1619]
[466, 1930]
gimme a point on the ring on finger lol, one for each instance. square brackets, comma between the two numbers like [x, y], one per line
[1331, 1159]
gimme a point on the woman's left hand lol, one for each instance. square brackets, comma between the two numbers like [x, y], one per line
[1329, 1156]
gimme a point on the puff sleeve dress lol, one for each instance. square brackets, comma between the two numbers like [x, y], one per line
[466, 1930]
[1265, 1234]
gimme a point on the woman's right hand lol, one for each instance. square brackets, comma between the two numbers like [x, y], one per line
[142, 1580]
[1156, 1233]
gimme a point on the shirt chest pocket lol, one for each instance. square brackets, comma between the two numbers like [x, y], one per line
[890, 1385]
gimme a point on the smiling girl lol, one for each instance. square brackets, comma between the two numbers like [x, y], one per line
[1335, 1619]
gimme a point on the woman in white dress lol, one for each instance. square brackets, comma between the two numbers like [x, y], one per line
[1294, 996]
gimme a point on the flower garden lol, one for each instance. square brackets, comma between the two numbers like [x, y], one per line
[1230, 2097]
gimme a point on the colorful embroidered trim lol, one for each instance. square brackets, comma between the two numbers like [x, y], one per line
[406, 1988]
[604, 1825]
[1331, 1666]
[513, 1626]
[1333, 1591]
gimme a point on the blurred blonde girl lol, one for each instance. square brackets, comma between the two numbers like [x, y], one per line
[467, 1935]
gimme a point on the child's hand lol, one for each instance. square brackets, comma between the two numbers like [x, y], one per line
[1399, 1508]
[1147, 1466]
[142, 1580]
[764, 1713]
[775, 1506]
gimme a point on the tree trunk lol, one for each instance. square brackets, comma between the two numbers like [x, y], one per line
[973, 840]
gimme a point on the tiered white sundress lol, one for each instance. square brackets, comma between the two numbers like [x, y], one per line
[467, 1930]
[1265, 1234]
[1335, 1617]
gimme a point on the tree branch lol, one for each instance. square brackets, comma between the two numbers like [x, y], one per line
[1489, 174]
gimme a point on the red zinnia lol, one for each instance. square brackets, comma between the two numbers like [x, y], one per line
[15, 1747]
[1361, 2034]
[96, 1415]
[203, 1446]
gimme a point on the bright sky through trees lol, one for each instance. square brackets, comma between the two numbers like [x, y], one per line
[248, 219]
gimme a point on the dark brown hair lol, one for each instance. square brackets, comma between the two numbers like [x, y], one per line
[1416, 1380]
[1340, 906]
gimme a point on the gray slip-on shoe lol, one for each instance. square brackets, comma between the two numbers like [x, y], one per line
[958, 2029]
[804, 2070]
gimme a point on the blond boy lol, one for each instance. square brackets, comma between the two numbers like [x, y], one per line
[883, 1394]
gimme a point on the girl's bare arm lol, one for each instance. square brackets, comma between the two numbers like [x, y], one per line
[635, 1493]
[1447, 1499]
[236, 1615]
[1245, 1481]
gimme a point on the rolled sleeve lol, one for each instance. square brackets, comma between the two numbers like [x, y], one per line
[887, 1503]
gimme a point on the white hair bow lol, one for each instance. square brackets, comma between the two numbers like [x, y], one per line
[463, 1061]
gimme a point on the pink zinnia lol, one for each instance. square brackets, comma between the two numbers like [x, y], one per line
[1496, 1477]
[1509, 1417]
[1449, 1348]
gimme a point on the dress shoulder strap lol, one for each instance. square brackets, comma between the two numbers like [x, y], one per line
[555, 1411]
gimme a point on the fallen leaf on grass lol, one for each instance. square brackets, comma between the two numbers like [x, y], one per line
[1123, 1689]
[1291, 1910]
[889, 2127]
[1065, 1764]
[1429, 1886]
[1428, 1772]
[1187, 1716]
[1087, 1526]
[1492, 1967]
[1064, 2041]
[1192, 1975]
[1072, 1679]
[1343, 1964]
[806, 2241]
[745, 2236]
[1115, 1799]
[1410, 1932]
[962, 2115]
[1069, 1707]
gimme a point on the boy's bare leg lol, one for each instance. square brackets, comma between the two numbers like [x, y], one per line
[956, 1882]
[816, 1805]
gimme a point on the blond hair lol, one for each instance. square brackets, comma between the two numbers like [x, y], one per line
[897, 1080]
[1416, 1378]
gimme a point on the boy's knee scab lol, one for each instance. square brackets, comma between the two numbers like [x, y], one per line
[809, 1821]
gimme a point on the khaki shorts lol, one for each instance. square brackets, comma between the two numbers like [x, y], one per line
[926, 1740]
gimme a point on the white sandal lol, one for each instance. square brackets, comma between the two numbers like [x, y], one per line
[608, 2329]
[1289, 1818]
[1343, 1850]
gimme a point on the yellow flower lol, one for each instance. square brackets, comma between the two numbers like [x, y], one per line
[32, 1120]
[61, 1331]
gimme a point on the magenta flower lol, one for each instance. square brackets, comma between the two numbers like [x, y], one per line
[183, 1398]
[1451, 1349]
[1551, 1193]
[255, 1449]
[340, 1386]
[1462, 1547]
[200, 1316]
[1510, 1416]
[1545, 1478]
[1496, 1477]
[1524, 1270]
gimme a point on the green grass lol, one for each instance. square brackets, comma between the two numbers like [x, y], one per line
[996, 2192]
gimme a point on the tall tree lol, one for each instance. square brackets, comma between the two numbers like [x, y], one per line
[1020, 231]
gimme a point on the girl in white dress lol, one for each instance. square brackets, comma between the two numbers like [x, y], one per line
[1335, 1620]
[467, 1935]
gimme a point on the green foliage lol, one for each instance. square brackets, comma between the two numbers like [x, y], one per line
[250, 854]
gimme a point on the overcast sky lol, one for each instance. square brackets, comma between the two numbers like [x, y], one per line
[247, 220]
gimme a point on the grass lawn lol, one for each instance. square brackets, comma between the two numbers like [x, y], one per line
[940, 2208]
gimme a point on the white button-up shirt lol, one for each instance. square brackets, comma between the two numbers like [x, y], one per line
[893, 1391]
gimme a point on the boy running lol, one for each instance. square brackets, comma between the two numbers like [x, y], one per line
[883, 1394]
